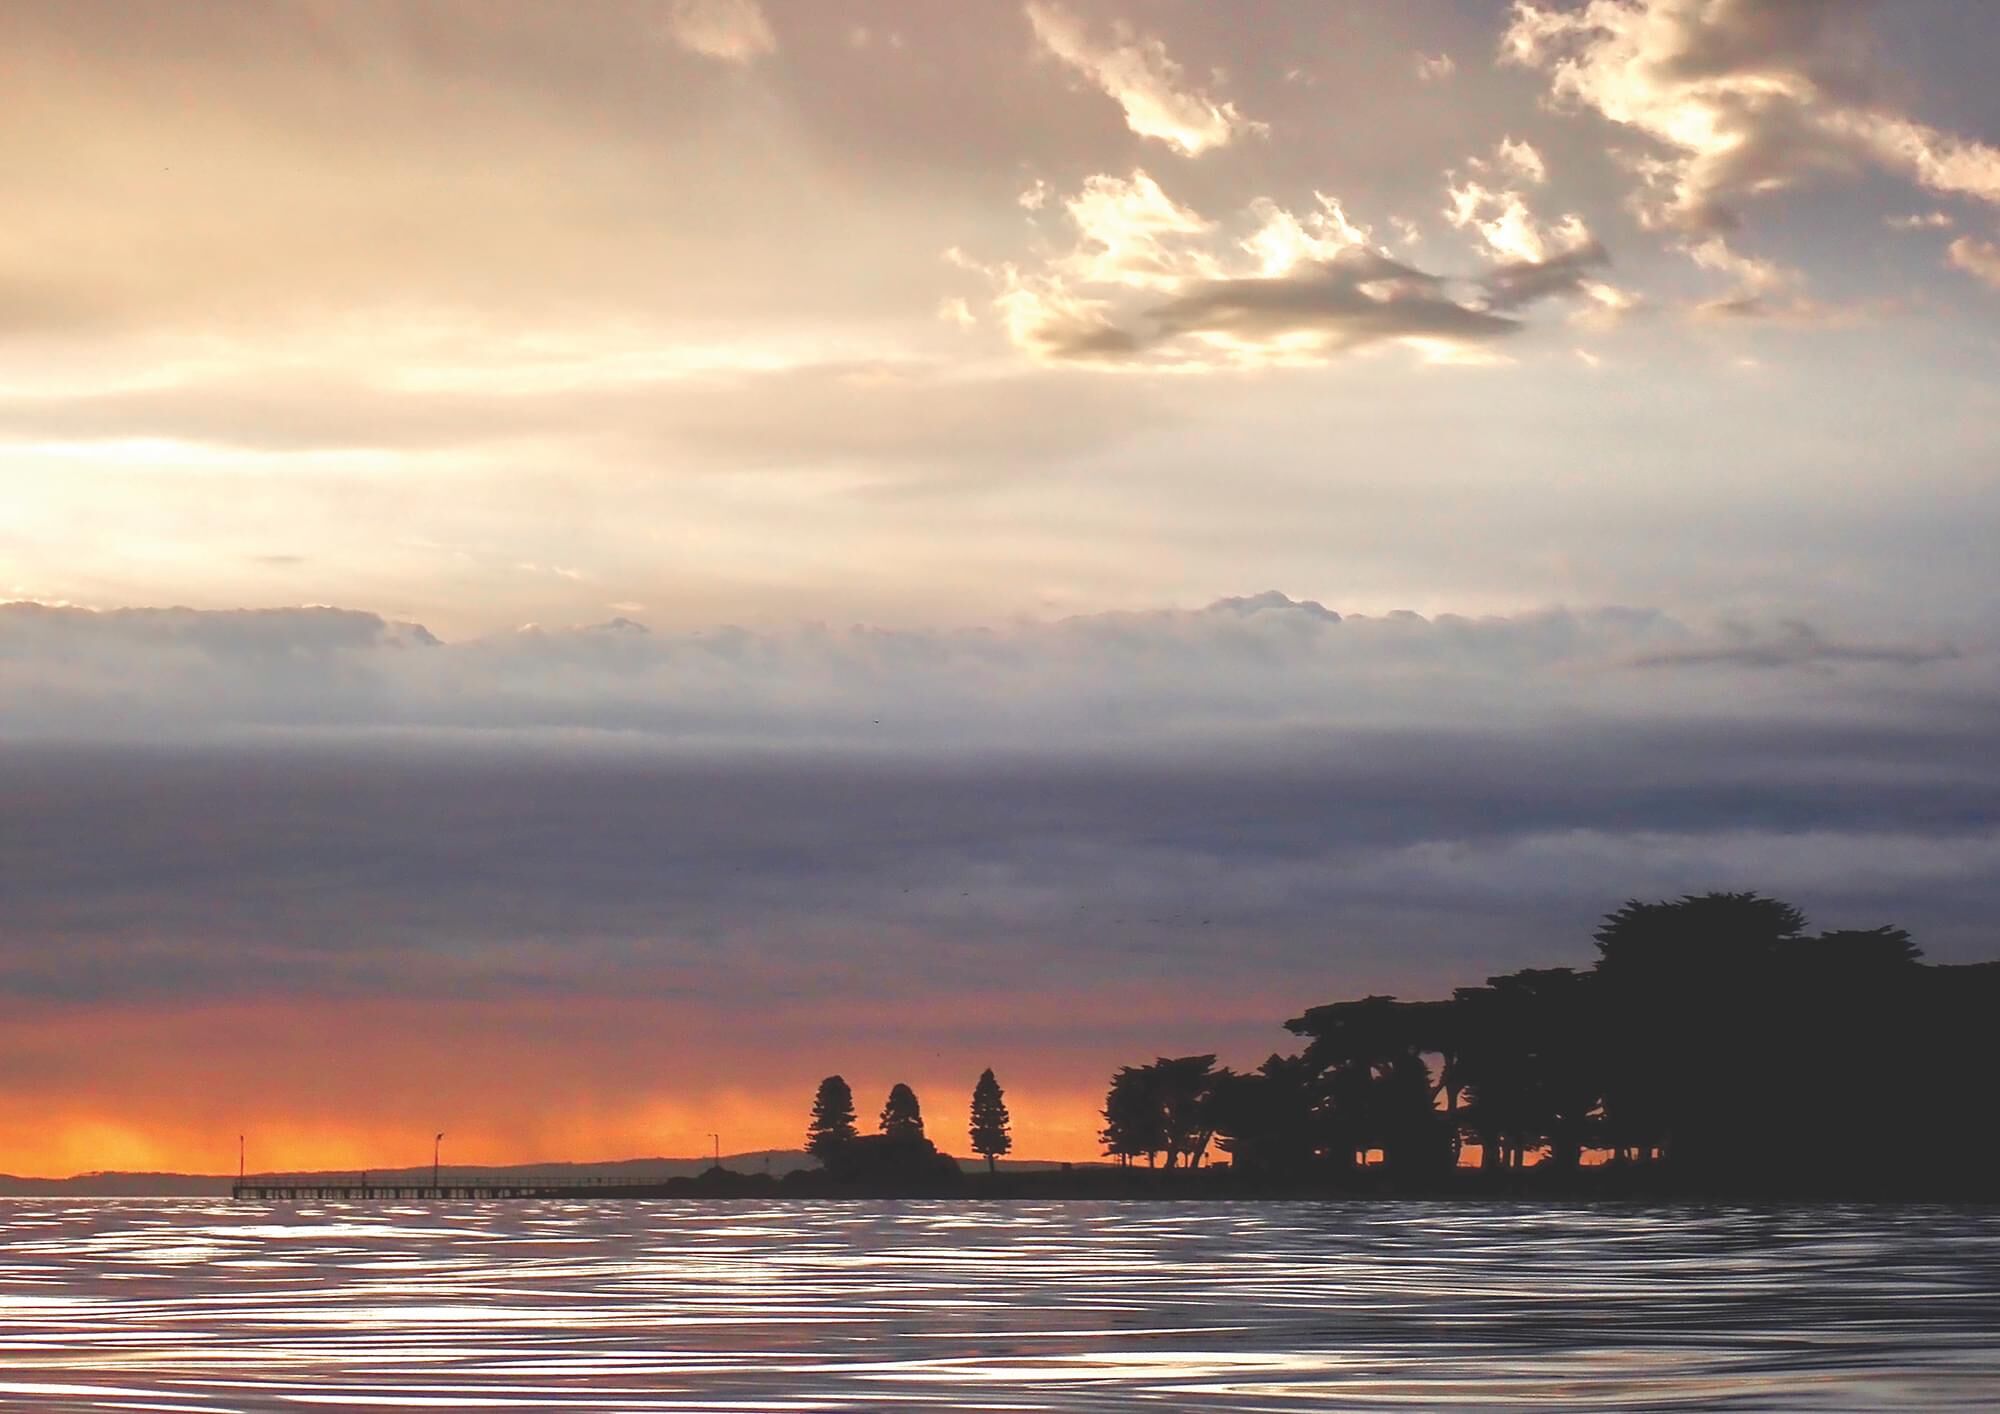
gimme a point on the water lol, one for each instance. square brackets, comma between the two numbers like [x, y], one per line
[209, 1306]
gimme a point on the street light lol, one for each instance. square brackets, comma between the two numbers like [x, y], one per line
[718, 1149]
[436, 1145]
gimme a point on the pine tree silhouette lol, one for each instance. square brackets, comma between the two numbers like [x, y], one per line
[832, 1126]
[990, 1120]
[901, 1116]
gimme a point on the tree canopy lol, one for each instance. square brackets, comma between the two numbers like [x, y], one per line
[902, 1118]
[1165, 1108]
[832, 1124]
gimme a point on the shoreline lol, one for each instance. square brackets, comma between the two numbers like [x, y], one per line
[1201, 1186]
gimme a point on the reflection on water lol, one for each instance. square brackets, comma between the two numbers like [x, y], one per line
[198, 1306]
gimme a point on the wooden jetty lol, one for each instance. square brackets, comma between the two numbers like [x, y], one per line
[289, 1188]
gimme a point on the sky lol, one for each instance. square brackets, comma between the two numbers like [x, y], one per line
[570, 570]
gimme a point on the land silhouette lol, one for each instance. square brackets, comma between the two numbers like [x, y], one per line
[1715, 1046]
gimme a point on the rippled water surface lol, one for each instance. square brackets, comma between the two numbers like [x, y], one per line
[193, 1305]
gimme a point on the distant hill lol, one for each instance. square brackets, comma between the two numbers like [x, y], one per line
[117, 1185]
[776, 1162]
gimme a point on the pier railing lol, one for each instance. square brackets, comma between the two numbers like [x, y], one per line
[361, 1188]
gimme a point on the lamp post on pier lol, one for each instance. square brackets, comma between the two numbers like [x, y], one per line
[718, 1149]
[437, 1146]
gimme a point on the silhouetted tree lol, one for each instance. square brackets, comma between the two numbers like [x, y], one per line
[1953, 1007]
[1413, 1135]
[1712, 933]
[1862, 1051]
[1714, 1034]
[990, 1120]
[1693, 991]
[901, 1116]
[1268, 1121]
[1379, 1092]
[1160, 1108]
[899, 1159]
[1132, 1123]
[1532, 1065]
[1181, 1089]
[1883, 952]
[832, 1123]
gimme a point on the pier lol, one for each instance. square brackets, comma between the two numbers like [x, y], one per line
[330, 1188]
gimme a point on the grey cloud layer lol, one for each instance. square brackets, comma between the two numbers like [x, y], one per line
[325, 802]
[1258, 666]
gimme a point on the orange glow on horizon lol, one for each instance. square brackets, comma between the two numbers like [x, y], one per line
[364, 1086]
[1057, 1128]
[36, 1142]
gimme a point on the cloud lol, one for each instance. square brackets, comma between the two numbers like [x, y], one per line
[1762, 289]
[1523, 161]
[914, 900]
[735, 31]
[1516, 283]
[1245, 606]
[896, 420]
[1045, 318]
[1434, 68]
[1739, 99]
[1535, 261]
[1129, 232]
[738, 821]
[1792, 645]
[1247, 667]
[1937, 161]
[1509, 231]
[1283, 240]
[1137, 73]
[1979, 259]
[1767, 291]
[1276, 287]
[522, 173]
[1351, 301]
